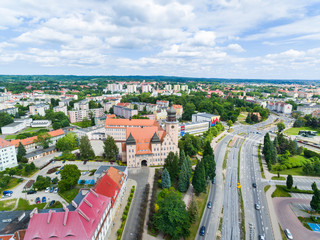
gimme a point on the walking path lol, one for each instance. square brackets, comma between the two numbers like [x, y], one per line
[273, 215]
[123, 204]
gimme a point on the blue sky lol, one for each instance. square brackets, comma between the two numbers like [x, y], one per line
[196, 38]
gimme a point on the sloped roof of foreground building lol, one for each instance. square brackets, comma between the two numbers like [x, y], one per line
[79, 224]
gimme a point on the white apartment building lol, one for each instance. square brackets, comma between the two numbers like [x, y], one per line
[184, 88]
[41, 123]
[38, 109]
[79, 115]
[146, 88]
[12, 110]
[115, 87]
[124, 112]
[63, 109]
[176, 87]
[82, 105]
[168, 87]
[132, 88]
[8, 158]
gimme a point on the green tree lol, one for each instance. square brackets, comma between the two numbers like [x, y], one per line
[208, 151]
[21, 152]
[182, 158]
[65, 123]
[193, 211]
[85, 123]
[43, 140]
[110, 148]
[230, 123]
[86, 151]
[315, 201]
[172, 218]
[5, 119]
[281, 126]
[210, 166]
[56, 125]
[12, 172]
[165, 179]
[42, 183]
[183, 182]
[199, 178]
[67, 143]
[70, 174]
[172, 165]
[289, 181]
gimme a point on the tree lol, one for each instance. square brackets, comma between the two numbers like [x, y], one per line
[43, 140]
[21, 152]
[67, 143]
[315, 201]
[182, 158]
[85, 123]
[172, 165]
[183, 182]
[199, 178]
[12, 172]
[65, 123]
[42, 183]
[86, 151]
[210, 166]
[289, 182]
[172, 218]
[281, 126]
[70, 175]
[208, 151]
[230, 123]
[56, 125]
[193, 211]
[110, 148]
[165, 179]
[5, 119]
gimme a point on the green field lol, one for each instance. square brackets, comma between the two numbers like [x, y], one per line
[69, 195]
[294, 161]
[7, 205]
[24, 205]
[12, 183]
[280, 192]
[295, 131]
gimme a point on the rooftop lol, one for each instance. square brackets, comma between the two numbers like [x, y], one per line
[14, 124]
[4, 143]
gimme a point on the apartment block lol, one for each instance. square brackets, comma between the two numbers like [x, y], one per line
[39, 109]
[8, 158]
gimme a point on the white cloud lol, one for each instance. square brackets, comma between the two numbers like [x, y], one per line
[235, 47]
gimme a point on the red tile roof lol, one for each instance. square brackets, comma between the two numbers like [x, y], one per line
[30, 140]
[107, 187]
[117, 176]
[131, 122]
[4, 143]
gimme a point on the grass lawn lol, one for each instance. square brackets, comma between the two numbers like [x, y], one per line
[280, 192]
[7, 205]
[278, 178]
[12, 183]
[57, 204]
[266, 188]
[30, 129]
[293, 171]
[24, 205]
[10, 137]
[294, 160]
[295, 131]
[69, 195]
[201, 202]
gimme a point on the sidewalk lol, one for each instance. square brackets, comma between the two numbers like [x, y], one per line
[188, 196]
[273, 216]
[118, 221]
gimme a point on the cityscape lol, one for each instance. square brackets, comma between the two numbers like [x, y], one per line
[155, 119]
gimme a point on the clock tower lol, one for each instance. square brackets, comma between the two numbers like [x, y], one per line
[172, 125]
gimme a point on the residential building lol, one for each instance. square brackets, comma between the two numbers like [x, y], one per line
[8, 158]
[82, 105]
[113, 87]
[280, 107]
[316, 114]
[93, 133]
[184, 88]
[179, 110]
[41, 123]
[162, 103]
[176, 87]
[146, 88]
[63, 109]
[26, 121]
[131, 88]
[168, 87]
[77, 115]
[308, 109]
[39, 109]
[12, 128]
[143, 142]
[206, 117]
[30, 145]
[12, 111]
[161, 114]
[124, 112]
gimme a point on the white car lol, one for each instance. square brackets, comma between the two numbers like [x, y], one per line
[47, 189]
[56, 190]
[288, 234]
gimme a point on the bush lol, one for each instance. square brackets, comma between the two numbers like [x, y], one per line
[119, 232]
[124, 217]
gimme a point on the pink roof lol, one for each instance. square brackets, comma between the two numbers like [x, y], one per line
[46, 226]
[79, 224]
[107, 187]
[91, 211]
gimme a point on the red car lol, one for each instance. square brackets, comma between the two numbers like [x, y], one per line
[37, 200]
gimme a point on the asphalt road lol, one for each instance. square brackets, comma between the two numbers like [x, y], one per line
[140, 175]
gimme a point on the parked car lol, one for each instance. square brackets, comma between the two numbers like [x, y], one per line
[254, 185]
[261, 237]
[7, 193]
[257, 206]
[202, 231]
[213, 181]
[209, 204]
[61, 168]
[44, 199]
[57, 172]
[56, 190]
[47, 189]
[63, 161]
[51, 203]
[288, 233]
[37, 200]
[51, 189]
[32, 192]
[53, 161]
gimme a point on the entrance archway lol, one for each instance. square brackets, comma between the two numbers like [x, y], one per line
[144, 163]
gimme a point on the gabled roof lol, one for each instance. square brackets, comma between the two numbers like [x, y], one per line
[30, 140]
[117, 176]
[4, 143]
[130, 140]
[107, 187]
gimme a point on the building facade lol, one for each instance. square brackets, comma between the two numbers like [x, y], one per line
[39, 109]
[8, 158]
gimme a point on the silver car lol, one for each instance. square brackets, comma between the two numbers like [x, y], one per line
[288, 234]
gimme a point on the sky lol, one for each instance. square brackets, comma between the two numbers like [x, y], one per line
[256, 39]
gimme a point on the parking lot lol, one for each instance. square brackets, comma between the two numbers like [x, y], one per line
[18, 191]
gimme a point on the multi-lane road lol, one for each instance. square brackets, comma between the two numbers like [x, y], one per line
[224, 193]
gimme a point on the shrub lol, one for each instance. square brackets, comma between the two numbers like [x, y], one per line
[124, 217]
[119, 232]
